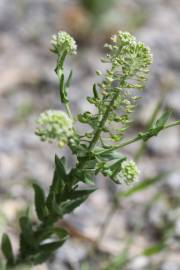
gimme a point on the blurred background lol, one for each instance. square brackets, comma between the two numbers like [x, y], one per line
[138, 230]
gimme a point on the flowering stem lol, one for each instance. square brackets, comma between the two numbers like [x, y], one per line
[103, 121]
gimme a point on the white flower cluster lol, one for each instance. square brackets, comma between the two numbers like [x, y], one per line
[63, 42]
[129, 171]
[55, 126]
[133, 57]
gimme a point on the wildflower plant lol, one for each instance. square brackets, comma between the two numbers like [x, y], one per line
[96, 150]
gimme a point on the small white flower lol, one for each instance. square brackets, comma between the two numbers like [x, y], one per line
[129, 171]
[63, 42]
[55, 126]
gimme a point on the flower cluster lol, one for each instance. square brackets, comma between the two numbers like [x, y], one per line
[133, 57]
[55, 126]
[63, 42]
[129, 171]
[116, 95]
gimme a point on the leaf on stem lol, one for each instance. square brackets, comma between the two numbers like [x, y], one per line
[39, 198]
[7, 249]
[156, 128]
[143, 185]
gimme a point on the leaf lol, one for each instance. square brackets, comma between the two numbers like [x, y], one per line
[63, 94]
[58, 184]
[50, 247]
[61, 233]
[79, 193]
[163, 119]
[88, 179]
[46, 251]
[95, 91]
[143, 185]
[69, 206]
[68, 82]
[7, 249]
[154, 249]
[27, 232]
[60, 167]
[115, 167]
[107, 155]
[156, 128]
[40, 202]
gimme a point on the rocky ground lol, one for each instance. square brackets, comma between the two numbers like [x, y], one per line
[28, 86]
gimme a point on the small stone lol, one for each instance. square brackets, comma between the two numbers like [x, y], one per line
[139, 263]
[169, 265]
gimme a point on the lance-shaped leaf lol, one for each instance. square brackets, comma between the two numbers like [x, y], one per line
[46, 250]
[80, 193]
[39, 198]
[69, 206]
[27, 236]
[68, 82]
[7, 249]
[143, 185]
[57, 187]
[156, 128]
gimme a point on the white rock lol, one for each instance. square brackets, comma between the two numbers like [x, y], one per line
[139, 263]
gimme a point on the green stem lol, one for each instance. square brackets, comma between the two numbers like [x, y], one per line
[176, 123]
[68, 110]
[102, 123]
[135, 139]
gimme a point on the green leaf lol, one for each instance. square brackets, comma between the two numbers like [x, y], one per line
[7, 249]
[143, 185]
[79, 193]
[63, 94]
[69, 206]
[27, 232]
[40, 202]
[61, 233]
[58, 184]
[115, 167]
[46, 251]
[50, 247]
[163, 119]
[156, 128]
[68, 82]
[155, 249]
[88, 179]
[107, 155]
[60, 167]
[95, 92]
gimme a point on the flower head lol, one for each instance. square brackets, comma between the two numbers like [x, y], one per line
[55, 126]
[63, 42]
[129, 171]
[133, 57]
